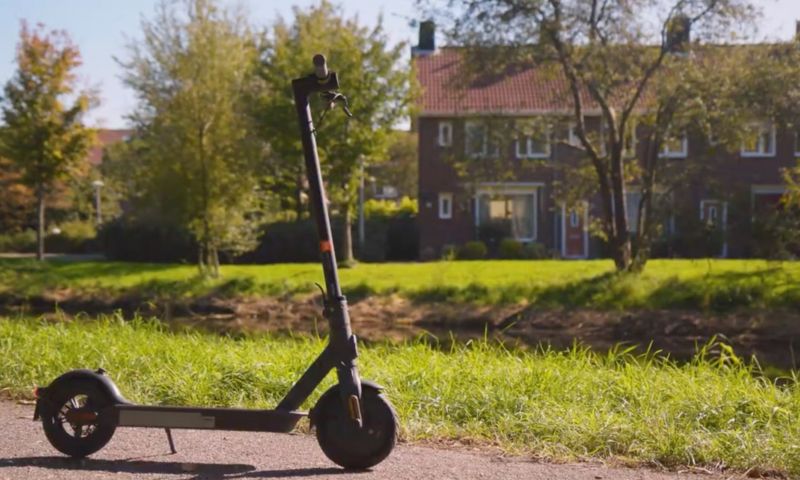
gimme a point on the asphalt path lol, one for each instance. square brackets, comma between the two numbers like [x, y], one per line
[136, 453]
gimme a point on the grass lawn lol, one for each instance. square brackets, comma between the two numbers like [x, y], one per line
[694, 284]
[713, 411]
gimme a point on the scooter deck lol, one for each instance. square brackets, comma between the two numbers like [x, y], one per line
[239, 419]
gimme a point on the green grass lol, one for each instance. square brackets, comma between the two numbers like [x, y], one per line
[714, 410]
[693, 284]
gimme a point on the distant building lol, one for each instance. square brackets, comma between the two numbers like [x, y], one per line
[106, 138]
[454, 123]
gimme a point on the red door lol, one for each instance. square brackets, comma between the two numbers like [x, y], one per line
[575, 233]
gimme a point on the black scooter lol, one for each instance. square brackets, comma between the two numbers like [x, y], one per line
[355, 425]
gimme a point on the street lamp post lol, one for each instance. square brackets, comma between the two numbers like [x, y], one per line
[97, 184]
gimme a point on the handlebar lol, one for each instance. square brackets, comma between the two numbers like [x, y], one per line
[320, 66]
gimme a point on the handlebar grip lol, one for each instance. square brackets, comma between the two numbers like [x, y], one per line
[320, 66]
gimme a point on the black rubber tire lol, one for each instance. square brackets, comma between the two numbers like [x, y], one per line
[56, 430]
[347, 445]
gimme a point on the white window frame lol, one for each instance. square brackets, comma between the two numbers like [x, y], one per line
[760, 153]
[485, 151]
[682, 153]
[445, 199]
[511, 188]
[527, 153]
[797, 144]
[445, 138]
[572, 136]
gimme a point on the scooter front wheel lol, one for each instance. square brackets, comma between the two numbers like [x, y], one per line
[344, 442]
[75, 418]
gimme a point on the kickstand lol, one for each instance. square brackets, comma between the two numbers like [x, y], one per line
[169, 439]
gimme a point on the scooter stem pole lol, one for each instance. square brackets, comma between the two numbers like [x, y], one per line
[317, 197]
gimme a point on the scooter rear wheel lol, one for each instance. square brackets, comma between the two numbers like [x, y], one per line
[348, 445]
[75, 418]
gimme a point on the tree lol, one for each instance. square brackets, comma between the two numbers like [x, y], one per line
[401, 168]
[196, 160]
[611, 60]
[44, 137]
[15, 199]
[374, 77]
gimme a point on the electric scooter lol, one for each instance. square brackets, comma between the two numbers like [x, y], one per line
[355, 424]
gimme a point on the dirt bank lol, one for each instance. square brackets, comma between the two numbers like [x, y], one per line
[773, 336]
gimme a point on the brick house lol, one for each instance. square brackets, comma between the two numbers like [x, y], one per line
[452, 123]
[105, 138]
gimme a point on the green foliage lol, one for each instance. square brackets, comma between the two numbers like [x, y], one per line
[511, 249]
[19, 242]
[389, 208]
[43, 135]
[375, 77]
[565, 405]
[474, 250]
[196, 160]
[449, 252]
[74, 236]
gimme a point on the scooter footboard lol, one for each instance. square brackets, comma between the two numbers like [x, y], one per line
[207, 418]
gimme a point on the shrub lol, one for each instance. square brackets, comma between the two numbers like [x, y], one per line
[511, 249]
[19, 242]
[388, 208]
[474, 250]
[139, 242]
[449, 252]
[535, 251]
[75, 236]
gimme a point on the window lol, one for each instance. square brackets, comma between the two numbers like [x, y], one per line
[477, 142]
[797, 144]
[445, 206]
[572, 136]
[632, 201]
[675, 147]
[445, 138]
[512, 213]
[712, 215]
[574, 219]
[533, 141]
[759, 141]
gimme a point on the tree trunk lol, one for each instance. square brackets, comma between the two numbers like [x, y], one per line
[40, 215]
[214, 261]
[201, 259]
[347, 246]
[620, 240]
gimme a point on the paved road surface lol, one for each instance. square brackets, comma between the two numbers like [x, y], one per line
[144, 454]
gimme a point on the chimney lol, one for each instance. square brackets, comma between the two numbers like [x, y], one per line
[679, 32]
[427, 39]
[797, 30]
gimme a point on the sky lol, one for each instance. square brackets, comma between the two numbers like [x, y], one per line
[102, 28]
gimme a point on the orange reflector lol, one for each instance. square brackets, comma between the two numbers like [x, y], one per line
[325, 246]
[355, 408]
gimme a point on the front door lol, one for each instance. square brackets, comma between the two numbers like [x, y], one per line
[574, 243]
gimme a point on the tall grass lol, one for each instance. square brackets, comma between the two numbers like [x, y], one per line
[715, 410]
[694, 284]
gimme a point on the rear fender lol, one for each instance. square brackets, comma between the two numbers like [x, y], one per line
[98, 377]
